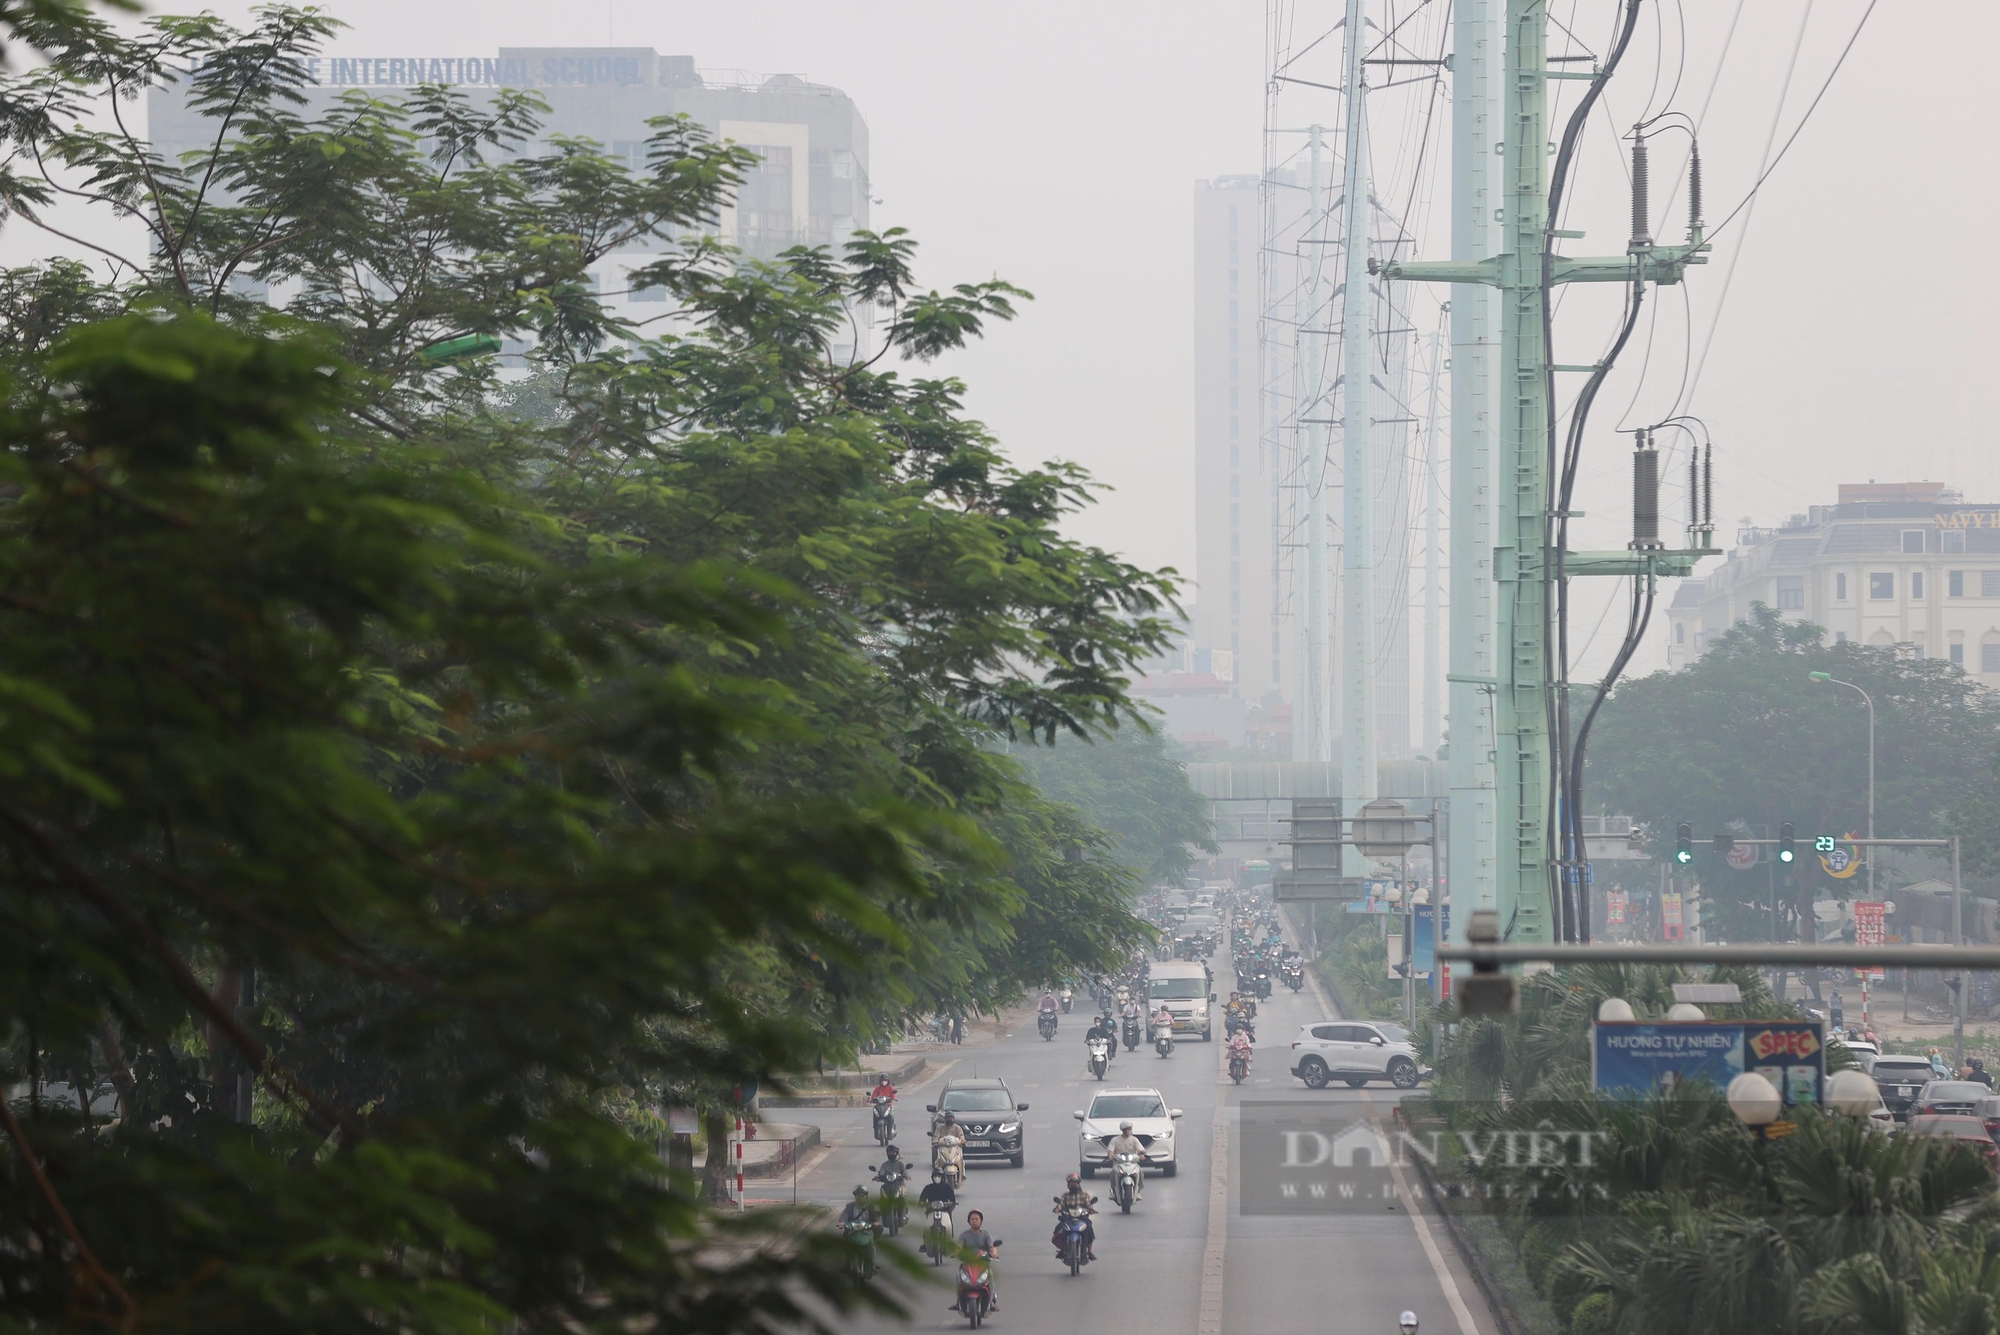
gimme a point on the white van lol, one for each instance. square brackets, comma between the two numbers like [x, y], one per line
[1183, 985]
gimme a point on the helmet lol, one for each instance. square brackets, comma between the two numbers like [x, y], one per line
[950, 1116]
[861, 1193]
[1408, 1321]
[1073, 1180]
[1124, 1126]
[937, 1174]
[892, 1151]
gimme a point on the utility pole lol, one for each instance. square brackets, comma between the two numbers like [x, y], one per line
[1433, 661]
[1475, 347]
[1357, 697]
[1526, 561]
[1312, 737]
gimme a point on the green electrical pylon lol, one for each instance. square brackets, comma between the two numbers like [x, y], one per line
[1525, 563]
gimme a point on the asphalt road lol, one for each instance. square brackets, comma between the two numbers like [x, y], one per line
[1267, 1275]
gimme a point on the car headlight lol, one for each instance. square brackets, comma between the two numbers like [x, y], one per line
[1009, 1128]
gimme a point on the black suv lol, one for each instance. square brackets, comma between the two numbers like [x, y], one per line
[1901, 1079]
[991, 1118]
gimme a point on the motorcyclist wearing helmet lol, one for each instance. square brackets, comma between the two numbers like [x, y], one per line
[1074, 1194]
[892, 1164]
[860, 1210]
[1101, 1028]
[1048, 1003]
[1127, 1143]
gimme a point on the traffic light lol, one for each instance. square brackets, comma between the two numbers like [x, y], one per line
[1684, 843]
[1785, 853]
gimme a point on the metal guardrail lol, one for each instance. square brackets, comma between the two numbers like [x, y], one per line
[1822, 956]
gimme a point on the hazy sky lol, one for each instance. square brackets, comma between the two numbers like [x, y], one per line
[1056, 145]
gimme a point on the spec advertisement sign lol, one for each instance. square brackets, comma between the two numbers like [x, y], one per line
[1642, 1058]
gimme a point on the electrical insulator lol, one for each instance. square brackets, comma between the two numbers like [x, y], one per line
[1642, 232]
[1694, 193]
[1708, 487]
[1645, 492]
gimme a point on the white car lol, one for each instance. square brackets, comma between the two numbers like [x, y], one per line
[1152, 1122]
[1357, 1052]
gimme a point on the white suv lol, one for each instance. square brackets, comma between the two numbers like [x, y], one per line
[1356, 1052]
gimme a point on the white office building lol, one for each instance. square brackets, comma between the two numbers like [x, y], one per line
[1905, 563]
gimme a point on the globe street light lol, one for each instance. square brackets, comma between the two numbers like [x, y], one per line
[1829, 678]
[1755, 1101]
[1851, 1092]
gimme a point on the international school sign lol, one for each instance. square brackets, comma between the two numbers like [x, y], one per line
[532, 67]
[1639, 1059]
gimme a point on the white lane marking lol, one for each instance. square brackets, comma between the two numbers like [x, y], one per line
[1214, 1254]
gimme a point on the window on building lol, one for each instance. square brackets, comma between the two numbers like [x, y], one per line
[1791, 593]
[1235, 452]
[1232, 399]
[1952, 540]
[1232, 250]
[1840, 637]
[1232, 281]
[1232, 338]
[649, 294]
[1918, 645]
[1232, 219]
[1236, 544]
[1680, 632]
[1881, 585]
[1235, 515]
[1913, 542]
[1236, 601]
[1840, 587]
[1989, 653]
[1916, 584]
[1954, 582]
[1233, 432]
[1235, 479]
[1989, 584]
[1957, 653]
[1232, 310]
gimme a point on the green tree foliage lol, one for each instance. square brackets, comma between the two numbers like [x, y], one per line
[1132, 786]
[1678, 1220]
[411, 779]
[1743, 734]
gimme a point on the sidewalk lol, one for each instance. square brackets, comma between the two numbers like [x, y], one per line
[776, 1148]
[906, 1063]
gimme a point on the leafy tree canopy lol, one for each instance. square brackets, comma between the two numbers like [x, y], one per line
[414, 778]
[1744, 734]
[1131, 785]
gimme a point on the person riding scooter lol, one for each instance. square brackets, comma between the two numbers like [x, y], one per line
[1127, 1143]
[980, 1243]
[1075, 1195]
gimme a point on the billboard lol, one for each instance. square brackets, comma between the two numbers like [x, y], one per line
[1640, 1058]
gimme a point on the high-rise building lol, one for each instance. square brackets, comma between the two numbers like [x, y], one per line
[1248, 479]
[810, 186]
[1237, 502]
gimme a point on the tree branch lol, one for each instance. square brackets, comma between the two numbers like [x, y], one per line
[130, 1318]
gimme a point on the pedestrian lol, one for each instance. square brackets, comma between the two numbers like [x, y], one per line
[957, 1027]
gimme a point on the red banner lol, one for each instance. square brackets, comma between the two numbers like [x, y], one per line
[1868, 928]
[1670, 918]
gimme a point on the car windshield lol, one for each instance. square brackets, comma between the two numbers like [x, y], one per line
[977, 1100]
[1178, 989]
[1111, 1106]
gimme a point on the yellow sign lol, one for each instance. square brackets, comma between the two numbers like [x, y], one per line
[1970, 519]
[1776, 1129]
[1841, 863]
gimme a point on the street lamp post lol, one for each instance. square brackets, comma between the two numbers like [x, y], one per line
[1833, 680]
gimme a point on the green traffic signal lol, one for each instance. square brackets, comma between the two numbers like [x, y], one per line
[1684, 843]
[1785, 850]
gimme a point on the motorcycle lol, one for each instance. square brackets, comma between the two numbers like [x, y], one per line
[885, 1119]
[1100, 1057]
[1295, 977]
[1163, 1039]
[1045, 1022]
[1067, 998]
[975, 1287]
[937, 1238]
[860, 1236]
[1069, 1233]
[1263, 987]
[894, 1212]
[948, 1157]
[1131, 1033]
[1125, 1173]
[1239, 1066]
